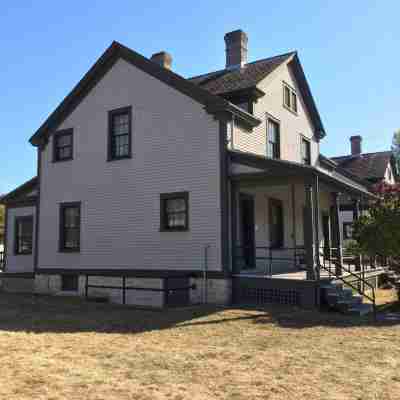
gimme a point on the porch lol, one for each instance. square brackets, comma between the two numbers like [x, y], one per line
[286, 229]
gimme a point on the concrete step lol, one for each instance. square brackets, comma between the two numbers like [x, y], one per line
[360, 310]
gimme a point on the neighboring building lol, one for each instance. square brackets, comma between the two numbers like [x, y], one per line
[158, 183]
[369, 168]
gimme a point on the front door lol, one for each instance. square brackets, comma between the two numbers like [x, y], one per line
[247, 238]
[326, 233]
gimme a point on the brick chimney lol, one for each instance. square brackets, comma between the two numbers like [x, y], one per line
[163, 59]
[355, 142]
[236, 49]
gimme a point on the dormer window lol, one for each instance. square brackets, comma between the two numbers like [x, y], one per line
[289, 98]
[305, 151]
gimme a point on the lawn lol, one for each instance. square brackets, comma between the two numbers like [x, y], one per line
[62, 348]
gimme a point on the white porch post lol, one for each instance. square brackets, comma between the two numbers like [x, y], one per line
[309, 231]
[337, 238]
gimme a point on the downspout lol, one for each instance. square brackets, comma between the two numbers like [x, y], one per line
[205, 270]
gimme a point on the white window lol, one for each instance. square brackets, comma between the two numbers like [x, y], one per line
[289, 98]
[229, 134]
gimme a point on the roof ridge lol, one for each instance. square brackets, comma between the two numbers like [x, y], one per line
[249, 63]
[363, 154]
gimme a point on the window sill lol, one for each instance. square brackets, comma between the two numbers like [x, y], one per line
[69, 251]
[119, 158]
[24, 253]
[63, 160]
[292, 111]
[174, 229]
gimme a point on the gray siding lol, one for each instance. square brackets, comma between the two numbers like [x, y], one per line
[21, 262]
[175, 148]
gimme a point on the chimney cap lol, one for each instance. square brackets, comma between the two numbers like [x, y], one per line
[355, 137]
[238, 34]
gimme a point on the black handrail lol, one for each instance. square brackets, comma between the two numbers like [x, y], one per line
[360, 279]
[2, 260]
[270, 257]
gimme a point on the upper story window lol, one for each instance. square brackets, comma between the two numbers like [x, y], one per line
[174, 211]
[273, 138]
[63, 145]
[120, 133]
[23, 235]
[70, 227]
[289, 98]
[305, 151]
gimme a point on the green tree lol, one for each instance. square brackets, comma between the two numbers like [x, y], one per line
[378, 232]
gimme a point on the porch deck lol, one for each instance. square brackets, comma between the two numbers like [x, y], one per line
[302, 275]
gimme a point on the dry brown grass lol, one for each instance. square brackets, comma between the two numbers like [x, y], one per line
[59, 348]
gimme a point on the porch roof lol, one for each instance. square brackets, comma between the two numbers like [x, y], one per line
[262, 167]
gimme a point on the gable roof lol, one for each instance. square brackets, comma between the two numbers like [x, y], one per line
[104, 64]
[226, 81]
[21, 192]
[367, 166]
[230, 80]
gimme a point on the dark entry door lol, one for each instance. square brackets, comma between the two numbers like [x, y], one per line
[326, 232]
[247, 238]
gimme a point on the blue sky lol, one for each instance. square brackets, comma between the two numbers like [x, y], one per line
[349, 50]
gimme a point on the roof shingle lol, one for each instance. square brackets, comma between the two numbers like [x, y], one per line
[229, 80]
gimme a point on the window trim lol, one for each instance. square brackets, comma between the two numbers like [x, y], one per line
[56, 136]
[278, 122]
[305, 139]
[276, 202]
[16, 222]
[163, 215]
[292, 91]
[61, 243]
[111, 115]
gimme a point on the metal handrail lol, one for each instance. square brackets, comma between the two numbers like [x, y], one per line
[269, 257]
[2, 260]
[361, 280]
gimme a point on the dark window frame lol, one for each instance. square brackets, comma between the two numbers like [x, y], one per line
[305, 159]
[18, 220]
[69, 283]
[292, 97]
[276, 146]
[56, 136]
[164, 197]
[279, 243]
[61, 244]
[111, 115]
[345, 235]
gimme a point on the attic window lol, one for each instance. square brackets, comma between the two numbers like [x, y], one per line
[289, 98]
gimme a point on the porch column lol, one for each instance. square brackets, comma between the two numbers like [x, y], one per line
[356, 215]
[234, 224]
[356, 209]
[309, 231]
[337, 237]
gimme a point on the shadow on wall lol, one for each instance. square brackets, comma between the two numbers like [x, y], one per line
[41, 314]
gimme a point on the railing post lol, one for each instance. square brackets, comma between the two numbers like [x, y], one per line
[124, 290]
[86, 287]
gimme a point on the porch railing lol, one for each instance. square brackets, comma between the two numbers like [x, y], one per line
[340, 272]
[248, 258]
